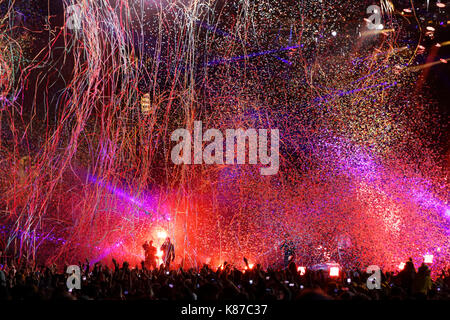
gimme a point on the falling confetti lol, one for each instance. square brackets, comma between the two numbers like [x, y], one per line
[90, 96]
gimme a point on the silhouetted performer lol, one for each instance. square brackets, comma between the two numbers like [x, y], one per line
[407, 276]
[289, 250]
[168, 253]
[150, 255]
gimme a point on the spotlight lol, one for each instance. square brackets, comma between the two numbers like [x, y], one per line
[301, 270]
[162, 234]
[401, 266]
[334, 272]
[428, 258]
[334, 33]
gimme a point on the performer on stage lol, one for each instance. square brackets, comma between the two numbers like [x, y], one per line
[289, 250]
[169, 252]
[150, 255]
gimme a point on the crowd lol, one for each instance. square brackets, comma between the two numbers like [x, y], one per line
[99, 282]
